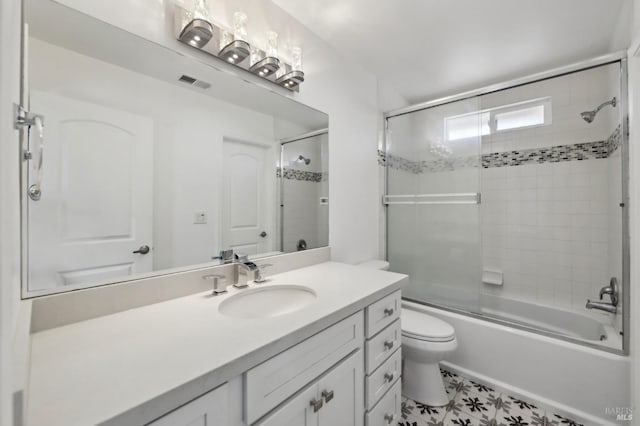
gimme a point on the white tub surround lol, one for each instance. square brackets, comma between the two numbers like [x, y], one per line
[134, 366]
[563, 377]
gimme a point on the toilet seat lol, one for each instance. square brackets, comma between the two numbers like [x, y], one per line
[420, 326]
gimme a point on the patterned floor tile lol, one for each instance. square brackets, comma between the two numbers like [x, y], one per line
[515, 408]
[477, 404]
[424, 412]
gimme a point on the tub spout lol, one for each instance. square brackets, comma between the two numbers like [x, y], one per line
[607, 307]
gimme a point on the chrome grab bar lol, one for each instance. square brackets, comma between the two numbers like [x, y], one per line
[446, 198]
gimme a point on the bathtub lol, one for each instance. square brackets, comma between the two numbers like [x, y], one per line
[580, 381]
[575, 326]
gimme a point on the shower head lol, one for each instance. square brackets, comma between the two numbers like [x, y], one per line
[303, 159]
[588, 116]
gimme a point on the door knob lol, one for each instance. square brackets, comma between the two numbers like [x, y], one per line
[143, 250]
[263, 234]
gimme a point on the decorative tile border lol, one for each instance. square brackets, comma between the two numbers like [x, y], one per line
[302, 175]
[614, 141]
[553, 154]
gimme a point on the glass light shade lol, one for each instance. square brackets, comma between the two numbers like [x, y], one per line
[272, 44]
[296, 59]
[225, 38]
[240, 26]
[201, 9]
[256, 55]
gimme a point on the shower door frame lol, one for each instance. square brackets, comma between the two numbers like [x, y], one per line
[616, 57]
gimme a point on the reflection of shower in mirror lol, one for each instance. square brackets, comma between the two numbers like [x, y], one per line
[303, 159]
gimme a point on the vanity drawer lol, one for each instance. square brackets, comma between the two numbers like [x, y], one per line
[273, 381]
[381, 380]
[387, 411]
[382, 313]
[383, 345]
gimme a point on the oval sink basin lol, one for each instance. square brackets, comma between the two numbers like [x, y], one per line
[267, 302]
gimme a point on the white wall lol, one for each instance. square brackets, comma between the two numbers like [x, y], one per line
[634, 207]
[634, 212]
[9, 205]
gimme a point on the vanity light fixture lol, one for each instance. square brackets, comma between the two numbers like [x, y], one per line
[195, 29]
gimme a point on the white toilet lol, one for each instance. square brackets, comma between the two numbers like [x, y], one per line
[426, 341]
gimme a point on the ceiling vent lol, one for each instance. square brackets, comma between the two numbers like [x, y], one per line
[194, 82]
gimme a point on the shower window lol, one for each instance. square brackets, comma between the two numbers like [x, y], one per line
[536, 112]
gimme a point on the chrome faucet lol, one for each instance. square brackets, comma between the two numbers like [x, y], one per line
[244, 271]
[612, 291]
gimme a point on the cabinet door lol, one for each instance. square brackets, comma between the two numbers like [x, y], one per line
[298, 411]
[208, 410]
[342, 391]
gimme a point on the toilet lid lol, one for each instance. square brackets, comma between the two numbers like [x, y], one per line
[421, 326]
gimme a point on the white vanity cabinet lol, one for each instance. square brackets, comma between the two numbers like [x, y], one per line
[334, 399]
[211, 409]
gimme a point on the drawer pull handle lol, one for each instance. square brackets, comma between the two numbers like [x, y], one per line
[327, 395]
[389, 418]
[316, 404]
[388, 312]
[388, 377]
[388, 344]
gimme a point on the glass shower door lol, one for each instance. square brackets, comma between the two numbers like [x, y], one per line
[433, 161]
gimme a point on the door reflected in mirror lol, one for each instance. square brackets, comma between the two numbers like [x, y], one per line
[146, 172]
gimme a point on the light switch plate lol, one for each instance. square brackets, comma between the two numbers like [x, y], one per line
[200, 217]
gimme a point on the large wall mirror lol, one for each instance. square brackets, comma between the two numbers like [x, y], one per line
[154, 161]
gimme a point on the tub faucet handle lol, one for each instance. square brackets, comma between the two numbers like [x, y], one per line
[611, 290]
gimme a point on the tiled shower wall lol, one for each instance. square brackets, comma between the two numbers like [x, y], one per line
[546, 227]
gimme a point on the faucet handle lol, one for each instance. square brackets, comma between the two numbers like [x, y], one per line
[259, 278]
[218, 283]
[605, 290]
[226, 256]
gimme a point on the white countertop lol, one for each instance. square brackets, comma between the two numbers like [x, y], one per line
[131, 367]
